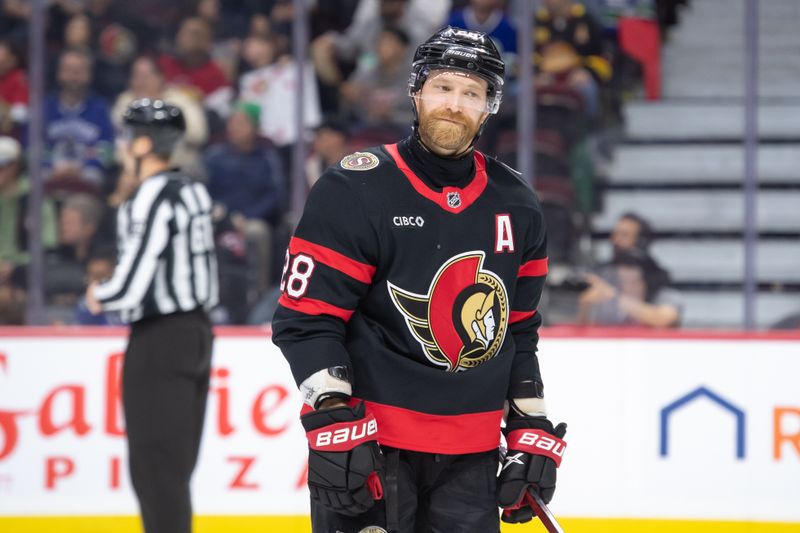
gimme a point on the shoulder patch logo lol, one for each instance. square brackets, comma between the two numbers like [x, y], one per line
[359, 161]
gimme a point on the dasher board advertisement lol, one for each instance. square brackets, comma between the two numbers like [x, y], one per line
[692, 426]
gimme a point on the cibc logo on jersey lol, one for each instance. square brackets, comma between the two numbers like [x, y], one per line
[462, 321]
[409, 221]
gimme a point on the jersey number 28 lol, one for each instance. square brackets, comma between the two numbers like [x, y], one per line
[299, 269]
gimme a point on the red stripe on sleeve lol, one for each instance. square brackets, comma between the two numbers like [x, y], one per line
[519, 316]
[355, 269]
[534, 267]
[310, 306]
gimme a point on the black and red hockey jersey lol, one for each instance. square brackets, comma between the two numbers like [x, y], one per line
[428, 295]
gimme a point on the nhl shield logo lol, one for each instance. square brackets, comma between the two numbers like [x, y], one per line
[462, 321]
[359, 161]
[454, 200]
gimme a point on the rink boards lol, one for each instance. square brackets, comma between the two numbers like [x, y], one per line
[696, 432]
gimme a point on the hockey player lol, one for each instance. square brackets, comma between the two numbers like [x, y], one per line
[408, 317]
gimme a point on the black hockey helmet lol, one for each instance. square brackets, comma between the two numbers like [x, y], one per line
[464, 50]
[162, 122]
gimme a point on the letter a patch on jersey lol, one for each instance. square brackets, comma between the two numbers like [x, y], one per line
[504, 237]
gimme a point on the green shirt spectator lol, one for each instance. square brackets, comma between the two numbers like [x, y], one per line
[14, 190]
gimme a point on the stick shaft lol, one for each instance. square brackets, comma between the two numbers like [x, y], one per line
[544, 514]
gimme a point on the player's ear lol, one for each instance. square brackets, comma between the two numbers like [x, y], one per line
[141, 146]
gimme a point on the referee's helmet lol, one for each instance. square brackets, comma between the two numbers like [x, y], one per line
[162, 122]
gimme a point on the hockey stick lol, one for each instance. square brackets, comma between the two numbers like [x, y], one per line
[541, 510]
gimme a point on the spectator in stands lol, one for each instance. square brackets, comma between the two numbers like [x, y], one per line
[377, 95]
[156, 21]
[561, 66]
[273, 87]
[14, 15]
[258, 51]
[114, 46]
[281, 17]
[359, 42]
[147, 81]
[489, 16]
[65, 265]
[79, 136]
[631, 289]
[632, 233]
[329, 147]
[78, 32]
[14, 189]
[12, 304]
[246, 180]
[260, 25]
[237, 290]
[332, 15]
[106, 28]
[192, 69]
[110, 32]
[99, 268]
[13, 90]
[569, 22]
[228, 23]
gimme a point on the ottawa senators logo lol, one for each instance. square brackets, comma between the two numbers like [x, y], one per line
[359, 161]
[462, 321]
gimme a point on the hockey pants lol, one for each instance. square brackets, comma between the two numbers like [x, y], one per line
[426, 493]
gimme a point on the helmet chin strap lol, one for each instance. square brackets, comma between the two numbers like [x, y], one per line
[459, 155]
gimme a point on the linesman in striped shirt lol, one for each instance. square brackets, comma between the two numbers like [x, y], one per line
[164, 284]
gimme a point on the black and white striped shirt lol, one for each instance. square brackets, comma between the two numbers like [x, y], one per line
[166, 241]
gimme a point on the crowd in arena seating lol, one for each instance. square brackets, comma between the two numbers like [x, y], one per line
[229, 66]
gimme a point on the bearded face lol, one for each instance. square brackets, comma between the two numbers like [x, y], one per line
[451, 107]
[446, 130]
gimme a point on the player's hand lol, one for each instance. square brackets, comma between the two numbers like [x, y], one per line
[535, 449]
[92, 304]
[345, 463]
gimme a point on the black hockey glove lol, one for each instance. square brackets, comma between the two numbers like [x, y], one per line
[535, 449]
[344, 461]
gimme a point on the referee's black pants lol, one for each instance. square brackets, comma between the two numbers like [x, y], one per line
[164, 390]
